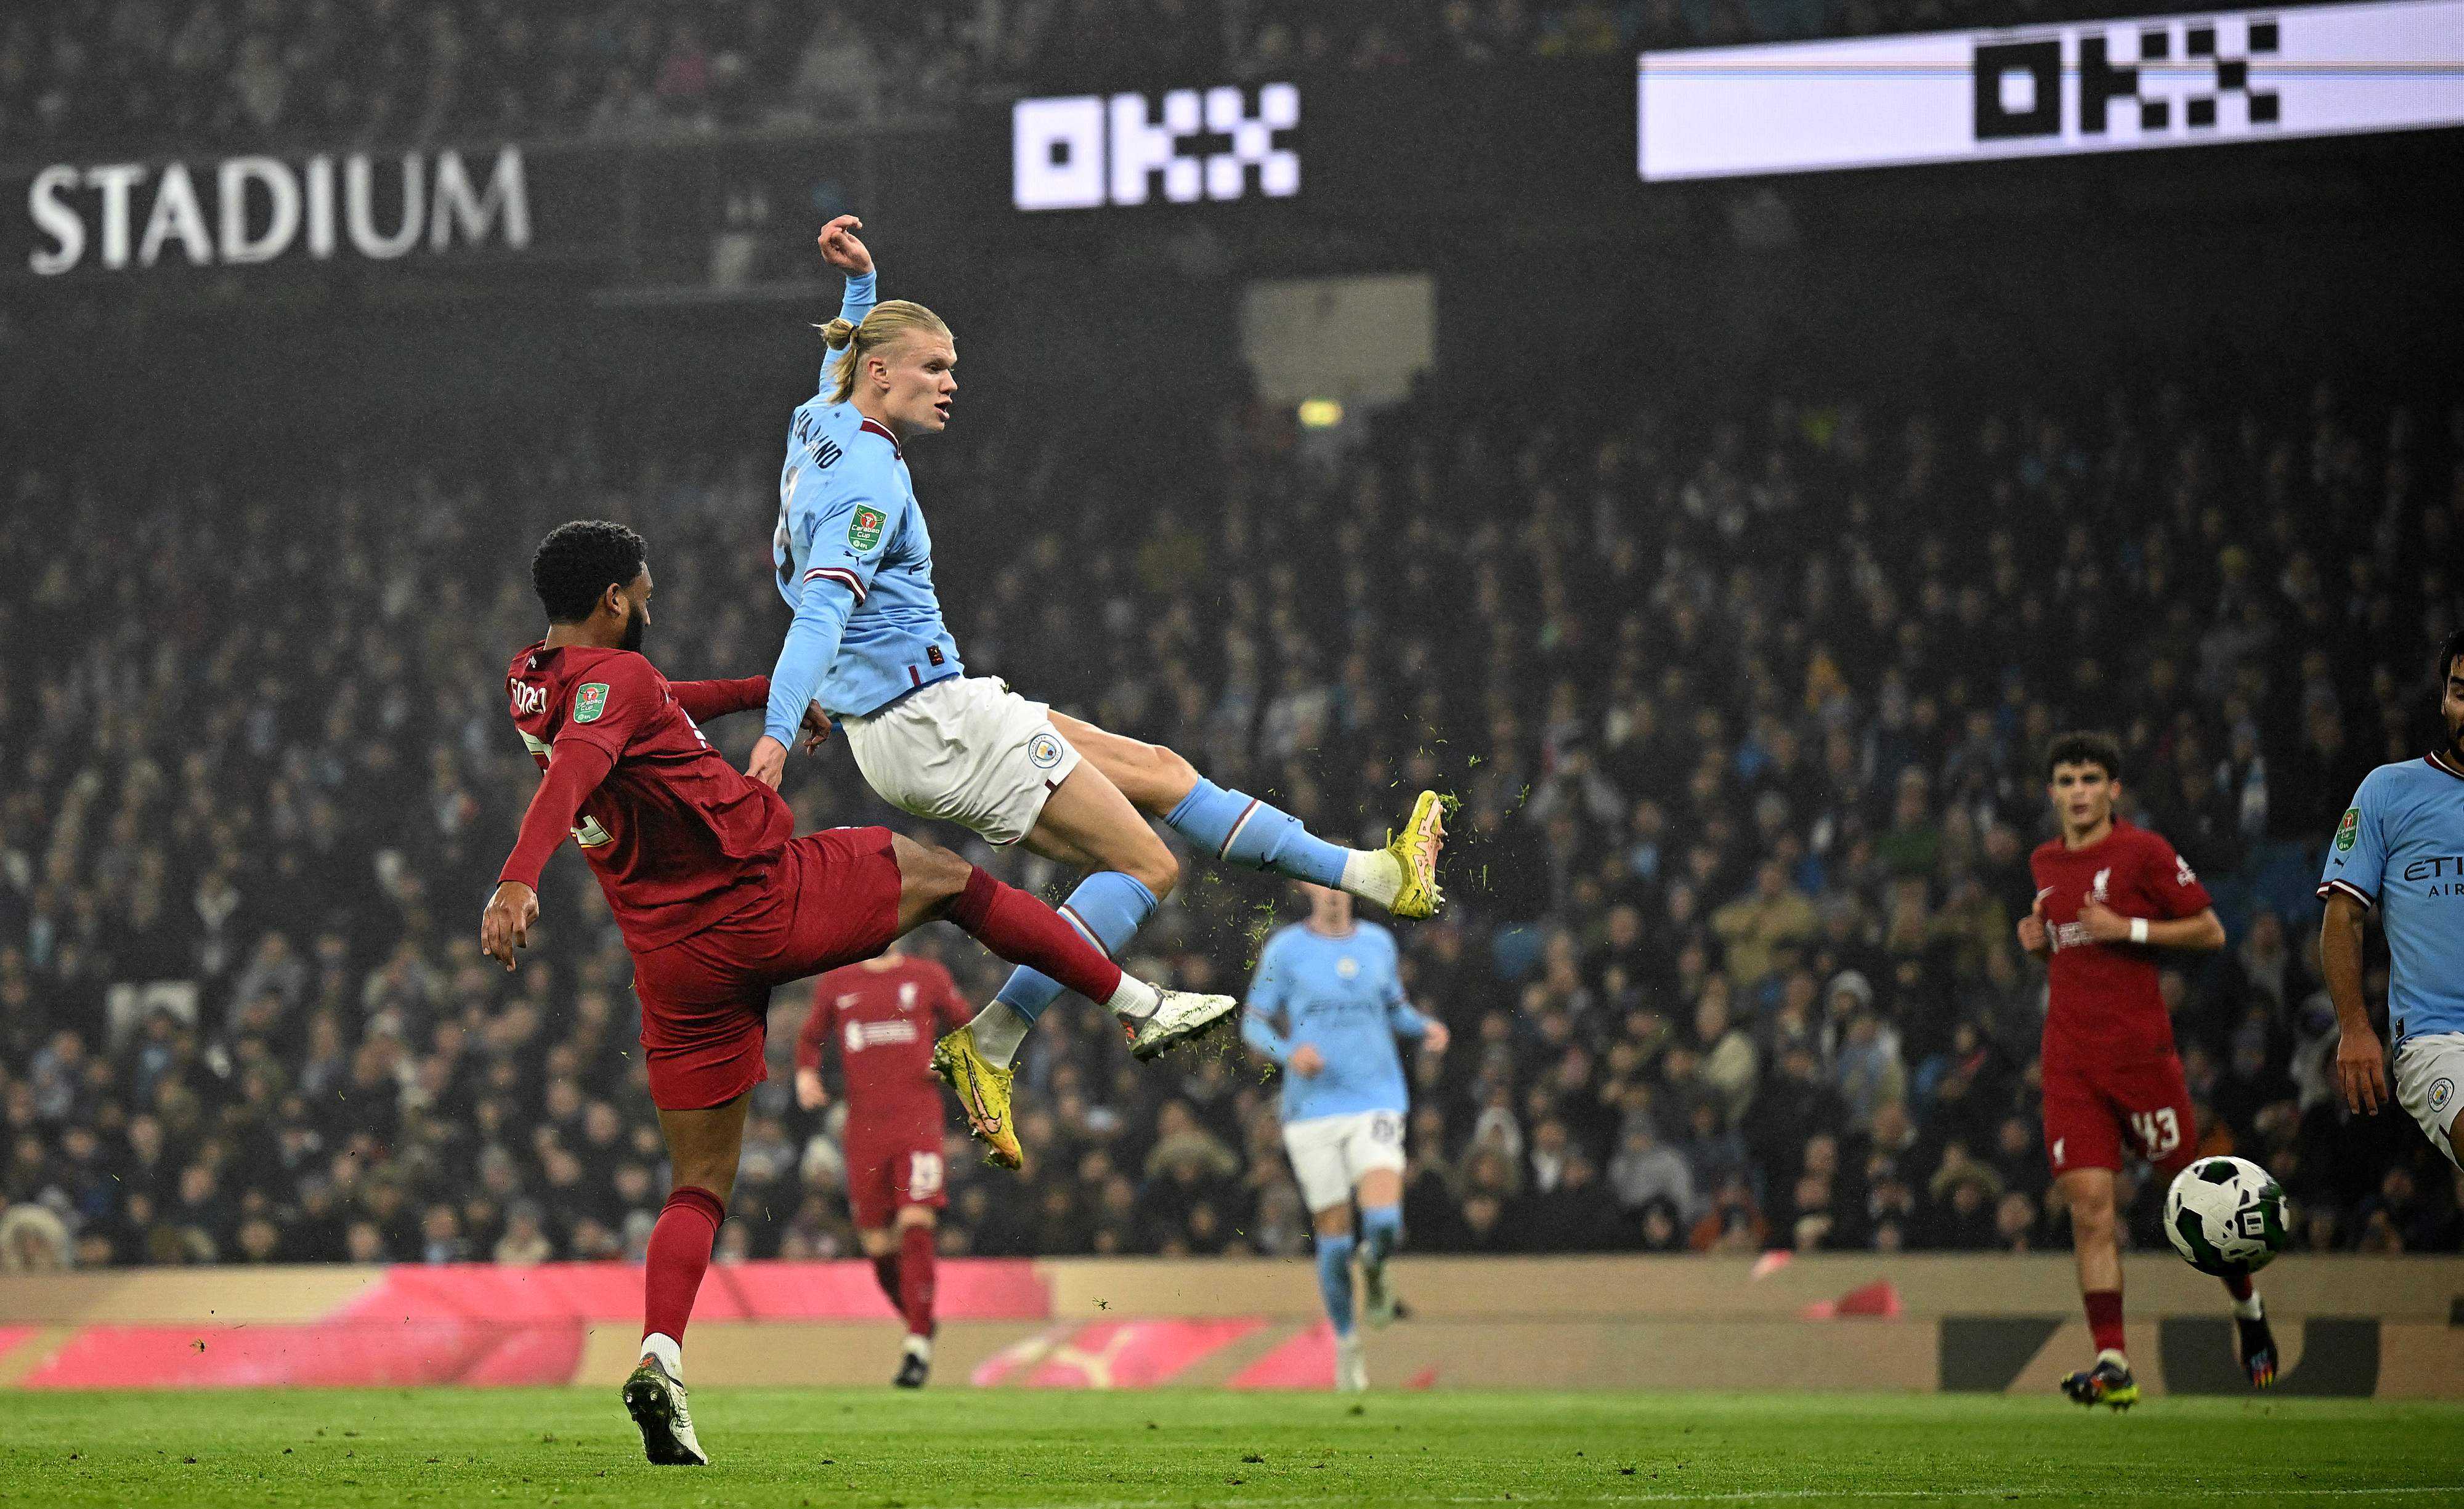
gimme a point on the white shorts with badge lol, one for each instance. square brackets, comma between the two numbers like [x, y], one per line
[968, 751]
[2428, 1077]
[1329, 1153]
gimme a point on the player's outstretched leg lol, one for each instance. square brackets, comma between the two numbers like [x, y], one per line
[935, 884]
[1088, 823]
[2108, 1381]
[703, 1147]
[1241, 829]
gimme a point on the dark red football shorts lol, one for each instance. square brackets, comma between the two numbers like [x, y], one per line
[2089, 1112]
[831, 899]
[886, 1170]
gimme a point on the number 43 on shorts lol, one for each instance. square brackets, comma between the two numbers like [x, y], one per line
[2159, 1131]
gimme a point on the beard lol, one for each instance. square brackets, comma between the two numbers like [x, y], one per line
[2455, 738]
[636, 624]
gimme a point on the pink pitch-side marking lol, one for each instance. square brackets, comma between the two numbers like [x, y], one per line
[482, 1325]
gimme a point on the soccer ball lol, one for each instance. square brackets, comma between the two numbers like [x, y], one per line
[2226, 1216]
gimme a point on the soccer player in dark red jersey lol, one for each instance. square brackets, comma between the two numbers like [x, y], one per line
[717, 898]
[2108, 895]
[885, 1015]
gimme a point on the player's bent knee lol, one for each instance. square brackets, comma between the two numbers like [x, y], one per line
[930, 877]
[1173, 778]
[923, 1216]
[1161, 870]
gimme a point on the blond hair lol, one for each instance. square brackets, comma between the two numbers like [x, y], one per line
[881, 327]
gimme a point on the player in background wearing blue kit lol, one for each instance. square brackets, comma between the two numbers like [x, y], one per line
[855, 560]
[2400, 852]
[1327, 1005]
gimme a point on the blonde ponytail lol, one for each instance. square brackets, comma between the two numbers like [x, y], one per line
[881, 329]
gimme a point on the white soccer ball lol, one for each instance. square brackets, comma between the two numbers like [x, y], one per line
[2225, 1216]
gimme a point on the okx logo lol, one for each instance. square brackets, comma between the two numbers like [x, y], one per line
[2173, 78]
[1081, 151]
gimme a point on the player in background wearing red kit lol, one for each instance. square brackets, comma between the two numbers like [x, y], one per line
[719, 901]
[886, 1014]
[2108, 895]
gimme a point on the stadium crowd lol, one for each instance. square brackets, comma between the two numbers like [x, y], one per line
[1743, 704]
[139, 75]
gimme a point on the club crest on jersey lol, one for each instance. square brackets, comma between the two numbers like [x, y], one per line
[1044, 752]
[2096, 892]
[863, 531]
[1347, 966]
[590, 700]
[2348, 830]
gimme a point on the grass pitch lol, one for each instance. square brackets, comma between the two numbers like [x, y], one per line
[1172, 1450]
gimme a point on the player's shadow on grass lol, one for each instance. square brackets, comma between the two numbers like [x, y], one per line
[2339, 1357]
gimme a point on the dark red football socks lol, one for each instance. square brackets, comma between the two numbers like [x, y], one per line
[916, 1277]
[1024, 930]
[2237, 1285]
[885, 1272]
[2104, 1318]
[677, 1259]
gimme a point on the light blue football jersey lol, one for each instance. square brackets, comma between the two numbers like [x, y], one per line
[2400, 850]
[855, 559]
[1344, 998]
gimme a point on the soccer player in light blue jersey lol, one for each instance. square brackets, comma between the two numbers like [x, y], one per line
[2400, 852]
[869, 643]
[1327, 1005]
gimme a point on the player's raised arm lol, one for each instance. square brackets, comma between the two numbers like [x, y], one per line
[842, 250]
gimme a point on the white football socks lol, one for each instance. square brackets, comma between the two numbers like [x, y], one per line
[999, 1028]
[670, 1353]
[920, 1347]
[1134, 1001]
[2250, 1310]
[1373, 875]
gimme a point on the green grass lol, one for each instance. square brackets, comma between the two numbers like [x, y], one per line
[877, 1450]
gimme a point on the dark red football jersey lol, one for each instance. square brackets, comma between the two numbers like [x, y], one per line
[886, 1015]
[679, 837]
[2105, 1003]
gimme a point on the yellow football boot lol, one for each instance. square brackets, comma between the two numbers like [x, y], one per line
[984, 1095]
[1416, 849]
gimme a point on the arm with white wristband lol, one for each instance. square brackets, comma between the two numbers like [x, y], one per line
[2198, 934]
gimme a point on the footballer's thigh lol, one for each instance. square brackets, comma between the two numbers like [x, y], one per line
[1153, 777]
[2428, 1070]
[1318, 1148]
[1088, 823]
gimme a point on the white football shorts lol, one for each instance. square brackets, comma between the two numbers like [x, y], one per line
[2429, 1074]
[967, 750]
[1329, 1153]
